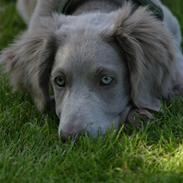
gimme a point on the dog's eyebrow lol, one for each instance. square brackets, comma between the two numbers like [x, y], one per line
[58, 72]
[104, 70]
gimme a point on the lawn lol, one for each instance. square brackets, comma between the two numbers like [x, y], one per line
[30, 150]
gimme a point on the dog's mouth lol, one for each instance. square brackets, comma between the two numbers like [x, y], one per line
[88, 130]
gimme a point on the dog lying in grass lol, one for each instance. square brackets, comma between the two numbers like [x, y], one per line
[102, 62]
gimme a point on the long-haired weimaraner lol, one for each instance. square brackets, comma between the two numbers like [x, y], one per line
[97, 62]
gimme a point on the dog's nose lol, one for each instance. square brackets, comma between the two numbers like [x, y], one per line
[72, 130]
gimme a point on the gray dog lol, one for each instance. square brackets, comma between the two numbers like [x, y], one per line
[101, 62]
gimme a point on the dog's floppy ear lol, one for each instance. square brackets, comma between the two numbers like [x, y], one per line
[29, 62]
[147, 50]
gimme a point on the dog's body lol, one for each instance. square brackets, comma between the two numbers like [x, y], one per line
[103, 61]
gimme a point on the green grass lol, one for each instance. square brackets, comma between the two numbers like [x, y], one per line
[30, 150]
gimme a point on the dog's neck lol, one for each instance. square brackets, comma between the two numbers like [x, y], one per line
[83, 6]
[75, 7]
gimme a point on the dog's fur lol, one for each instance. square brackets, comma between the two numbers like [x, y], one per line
[141, 54]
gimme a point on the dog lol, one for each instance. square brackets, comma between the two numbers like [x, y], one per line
[97, 65]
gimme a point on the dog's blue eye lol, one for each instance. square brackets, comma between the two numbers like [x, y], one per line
[60, 81]
[106, 81]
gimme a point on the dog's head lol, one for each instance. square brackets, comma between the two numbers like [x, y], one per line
[98, 66]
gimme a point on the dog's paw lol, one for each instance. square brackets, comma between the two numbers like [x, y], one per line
[137, 116]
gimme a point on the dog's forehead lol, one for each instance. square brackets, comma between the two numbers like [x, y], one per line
[94, 21]
[86, 53]
[83, 43]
